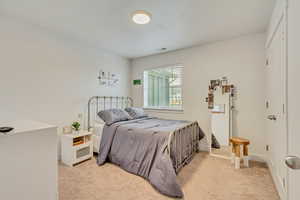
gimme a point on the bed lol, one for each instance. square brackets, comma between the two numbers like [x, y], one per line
[97, 135]
[155, 149]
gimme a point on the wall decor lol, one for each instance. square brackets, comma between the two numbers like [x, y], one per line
[219, 83]
[137, 82]
[210, 101]
[107, 78]
[214, 84]
[224, 81]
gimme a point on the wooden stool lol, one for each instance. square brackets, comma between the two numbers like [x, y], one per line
[237, 142]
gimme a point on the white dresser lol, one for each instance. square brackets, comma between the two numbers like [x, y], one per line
[28, 162]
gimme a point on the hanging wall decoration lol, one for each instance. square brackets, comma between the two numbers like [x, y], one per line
[107, 78]
[137, 82]
[214, 84]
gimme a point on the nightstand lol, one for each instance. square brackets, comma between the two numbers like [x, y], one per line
[76, 148]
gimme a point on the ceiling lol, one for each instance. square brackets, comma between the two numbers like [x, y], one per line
[175, 24]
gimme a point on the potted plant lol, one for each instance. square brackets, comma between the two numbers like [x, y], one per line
[76, 127]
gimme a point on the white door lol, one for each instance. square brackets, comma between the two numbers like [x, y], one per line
[294, 95]
[276, 117]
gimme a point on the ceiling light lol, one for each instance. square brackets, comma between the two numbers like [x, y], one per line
[141, 17]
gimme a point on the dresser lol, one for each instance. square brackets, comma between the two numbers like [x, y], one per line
[29, 164]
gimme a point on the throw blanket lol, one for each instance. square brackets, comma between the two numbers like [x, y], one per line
[140, 147]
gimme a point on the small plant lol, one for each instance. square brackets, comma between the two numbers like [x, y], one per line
[76, 126]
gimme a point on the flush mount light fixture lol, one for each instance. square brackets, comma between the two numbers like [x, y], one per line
[141, 17]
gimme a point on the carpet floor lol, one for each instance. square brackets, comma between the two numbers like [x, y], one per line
[205, 178]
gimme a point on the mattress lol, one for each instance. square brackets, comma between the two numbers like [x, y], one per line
[97, 135]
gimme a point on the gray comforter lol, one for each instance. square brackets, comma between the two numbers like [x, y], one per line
[140, 147]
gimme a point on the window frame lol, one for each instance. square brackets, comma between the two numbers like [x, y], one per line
[163, 109]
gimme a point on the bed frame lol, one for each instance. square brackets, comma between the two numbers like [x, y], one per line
[182, 143]
[98, 103]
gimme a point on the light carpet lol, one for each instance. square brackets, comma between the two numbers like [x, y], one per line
[205, 178]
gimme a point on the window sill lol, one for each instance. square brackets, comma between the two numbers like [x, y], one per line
[164, 110]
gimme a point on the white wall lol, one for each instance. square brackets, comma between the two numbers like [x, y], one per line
[50, 77]
[241, 60]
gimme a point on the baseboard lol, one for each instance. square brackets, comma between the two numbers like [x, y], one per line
[276, 181]
[220, 156]
[258, 158]
[253, 157]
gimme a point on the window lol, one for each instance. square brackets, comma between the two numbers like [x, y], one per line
[163, 88]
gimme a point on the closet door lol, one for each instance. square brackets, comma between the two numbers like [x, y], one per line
[276, 118]
[294, 97]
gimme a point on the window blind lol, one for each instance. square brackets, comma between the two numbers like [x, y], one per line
[163, 88]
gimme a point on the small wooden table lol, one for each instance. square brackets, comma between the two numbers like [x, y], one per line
[237, 142]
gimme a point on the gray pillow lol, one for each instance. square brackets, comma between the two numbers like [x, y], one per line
[136, 113]
[113, 115]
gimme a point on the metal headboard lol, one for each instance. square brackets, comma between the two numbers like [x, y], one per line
[98, 103]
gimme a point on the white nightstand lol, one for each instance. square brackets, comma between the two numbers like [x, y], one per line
[76, 148]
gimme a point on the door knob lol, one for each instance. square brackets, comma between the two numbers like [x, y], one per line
[272, 117]
[293, 162]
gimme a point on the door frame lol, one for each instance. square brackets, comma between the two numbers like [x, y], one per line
[280, 15]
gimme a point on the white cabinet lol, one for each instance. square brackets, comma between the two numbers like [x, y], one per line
[76, 148]
[28, 162]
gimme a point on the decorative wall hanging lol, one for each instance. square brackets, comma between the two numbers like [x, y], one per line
[137, 82]
[214, 84]
[107, 78]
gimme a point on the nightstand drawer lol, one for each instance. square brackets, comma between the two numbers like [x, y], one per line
[76, 148]
[83, 152]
